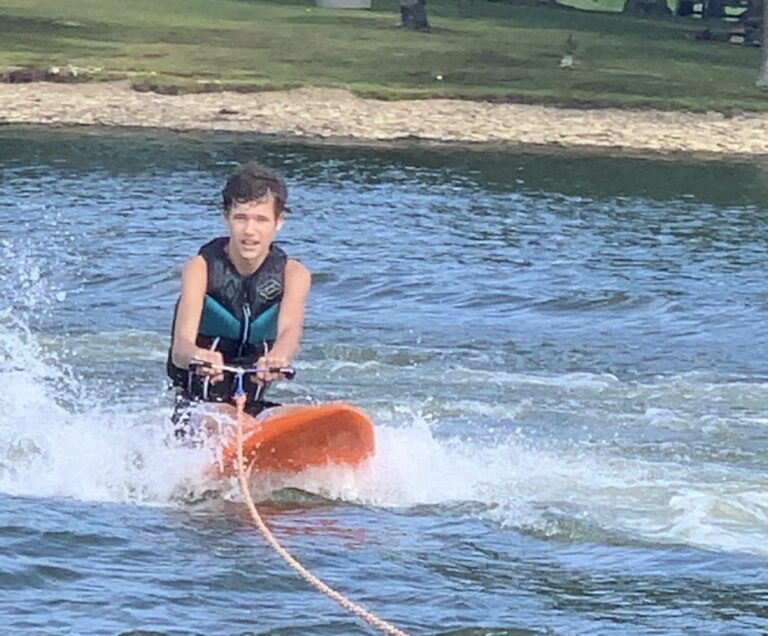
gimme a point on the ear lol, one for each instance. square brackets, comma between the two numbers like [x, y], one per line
[280, 221]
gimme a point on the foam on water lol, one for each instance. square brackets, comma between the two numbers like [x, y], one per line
[122, 452]
[95, 452]
[56, 440]
[573, 494]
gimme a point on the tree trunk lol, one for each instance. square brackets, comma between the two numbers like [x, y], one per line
[762, 80]
[646, 7]
[714, 8]
[413, 14]
[685, 7]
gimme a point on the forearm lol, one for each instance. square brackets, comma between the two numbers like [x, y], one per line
[188, 312]
[290, 322]
[183, 353]
[287, 343]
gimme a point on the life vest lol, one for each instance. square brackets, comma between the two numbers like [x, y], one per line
[239, 319]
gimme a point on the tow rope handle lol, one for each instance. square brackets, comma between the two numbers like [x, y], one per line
[287, 372]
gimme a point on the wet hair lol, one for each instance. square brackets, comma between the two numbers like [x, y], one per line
[253, 182]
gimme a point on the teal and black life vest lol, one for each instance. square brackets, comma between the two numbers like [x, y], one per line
[239, 316]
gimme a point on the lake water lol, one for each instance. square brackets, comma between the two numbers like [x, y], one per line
[564, 356]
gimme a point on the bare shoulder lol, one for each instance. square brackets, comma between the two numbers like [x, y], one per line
[195, 274]
[298, 278]
[296, 271]
[195, 266]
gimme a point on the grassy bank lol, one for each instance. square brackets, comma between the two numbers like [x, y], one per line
[484, 50]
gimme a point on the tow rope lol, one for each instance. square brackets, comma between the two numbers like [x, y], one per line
[362, 613]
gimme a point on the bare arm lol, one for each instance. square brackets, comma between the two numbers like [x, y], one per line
[194, 282]
[290, 321]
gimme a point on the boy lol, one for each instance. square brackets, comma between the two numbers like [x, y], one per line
[242, 299]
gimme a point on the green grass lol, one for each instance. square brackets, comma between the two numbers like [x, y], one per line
[483, 50]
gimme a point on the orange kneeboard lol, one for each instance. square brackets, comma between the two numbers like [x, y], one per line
[292, 438]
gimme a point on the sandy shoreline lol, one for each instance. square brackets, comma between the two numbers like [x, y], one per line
[317, 113]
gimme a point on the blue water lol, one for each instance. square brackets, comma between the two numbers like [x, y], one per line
[563, 356]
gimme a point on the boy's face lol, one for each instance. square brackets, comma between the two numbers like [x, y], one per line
[252, 227]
